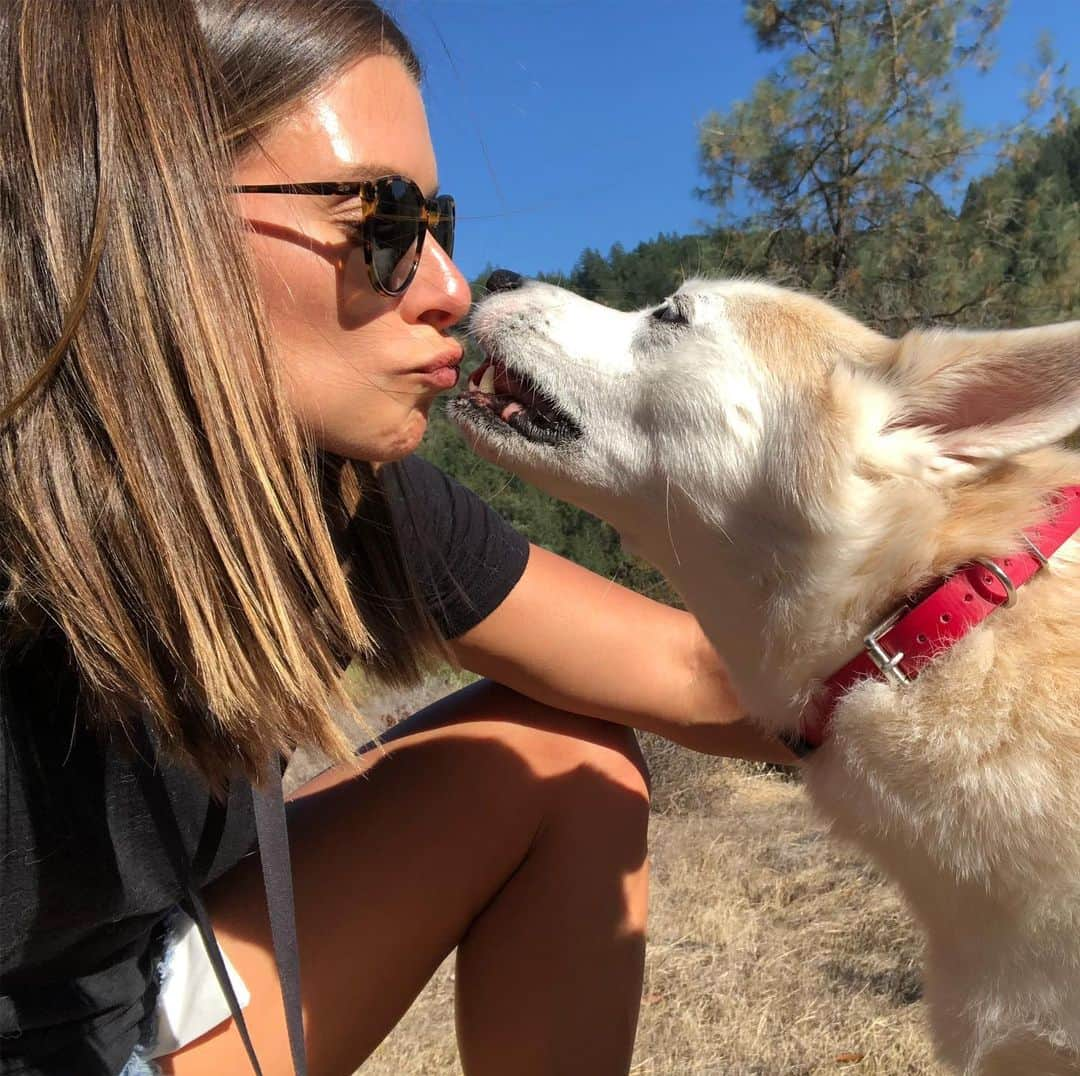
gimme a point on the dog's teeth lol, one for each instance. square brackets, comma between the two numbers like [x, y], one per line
[487, 381]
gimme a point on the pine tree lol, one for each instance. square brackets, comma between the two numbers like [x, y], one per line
[857, 126]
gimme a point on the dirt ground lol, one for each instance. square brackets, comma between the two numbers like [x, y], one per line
[773, 950]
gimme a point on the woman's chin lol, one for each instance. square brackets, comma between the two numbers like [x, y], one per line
[387, 446]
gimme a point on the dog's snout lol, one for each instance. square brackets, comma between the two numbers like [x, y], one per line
[504, 280]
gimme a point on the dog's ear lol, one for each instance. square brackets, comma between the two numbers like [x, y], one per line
[987, 395]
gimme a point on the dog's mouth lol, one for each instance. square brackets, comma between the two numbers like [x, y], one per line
[505, 399]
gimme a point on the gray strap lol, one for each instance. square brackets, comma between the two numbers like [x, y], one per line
[273, 839]
[277, 879]
[217, 961]
[161, 809]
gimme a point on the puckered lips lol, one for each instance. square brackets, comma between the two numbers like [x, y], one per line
[503, 399]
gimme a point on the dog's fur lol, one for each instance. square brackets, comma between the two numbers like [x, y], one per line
[795, 475]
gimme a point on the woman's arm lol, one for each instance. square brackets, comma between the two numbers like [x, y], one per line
[569, 638]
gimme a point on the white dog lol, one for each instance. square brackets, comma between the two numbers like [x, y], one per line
[797, 476]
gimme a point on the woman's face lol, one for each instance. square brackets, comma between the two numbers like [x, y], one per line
[358, 365]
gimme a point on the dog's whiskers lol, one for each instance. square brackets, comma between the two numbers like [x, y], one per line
[667, 516]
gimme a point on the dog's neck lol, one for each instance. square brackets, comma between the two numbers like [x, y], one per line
[787, 606]
[753, 606]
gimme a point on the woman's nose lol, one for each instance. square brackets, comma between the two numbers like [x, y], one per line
[439, 295]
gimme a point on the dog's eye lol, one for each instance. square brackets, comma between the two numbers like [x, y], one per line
[670, 313]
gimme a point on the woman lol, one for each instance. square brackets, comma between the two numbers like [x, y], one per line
[209, 507]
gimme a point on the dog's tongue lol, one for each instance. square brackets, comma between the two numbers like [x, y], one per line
[505, 384]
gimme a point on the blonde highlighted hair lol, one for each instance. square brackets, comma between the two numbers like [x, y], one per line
[158, 501]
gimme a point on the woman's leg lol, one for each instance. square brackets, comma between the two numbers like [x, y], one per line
[489, 822]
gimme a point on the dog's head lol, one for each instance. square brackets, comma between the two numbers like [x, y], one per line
[734, 390]
[753, 402]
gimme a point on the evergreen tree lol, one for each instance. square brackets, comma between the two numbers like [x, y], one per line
[857, 126]
[1022, 227]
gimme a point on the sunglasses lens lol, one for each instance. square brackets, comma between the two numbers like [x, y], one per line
[396, 234]
[444, 230]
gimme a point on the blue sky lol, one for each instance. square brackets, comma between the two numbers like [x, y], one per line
[565, 124]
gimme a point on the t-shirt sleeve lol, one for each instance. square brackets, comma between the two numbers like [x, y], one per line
[466, 557]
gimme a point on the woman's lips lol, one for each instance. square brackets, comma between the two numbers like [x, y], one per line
[441, 377]
[443, 372]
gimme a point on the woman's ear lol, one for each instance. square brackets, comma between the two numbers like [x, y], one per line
[986, 396]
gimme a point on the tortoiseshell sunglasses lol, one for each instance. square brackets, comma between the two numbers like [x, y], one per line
[394, 218]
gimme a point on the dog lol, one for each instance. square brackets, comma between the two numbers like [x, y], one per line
[797, 477]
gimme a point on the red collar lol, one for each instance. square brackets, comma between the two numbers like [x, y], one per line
[925, 626]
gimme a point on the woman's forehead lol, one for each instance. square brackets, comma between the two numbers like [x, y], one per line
[372, 114]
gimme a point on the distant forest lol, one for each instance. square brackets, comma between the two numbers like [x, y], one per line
[846, 204]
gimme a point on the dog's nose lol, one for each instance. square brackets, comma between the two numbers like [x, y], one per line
[504, 280]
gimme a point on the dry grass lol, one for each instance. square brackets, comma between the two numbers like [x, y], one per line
[773, 951]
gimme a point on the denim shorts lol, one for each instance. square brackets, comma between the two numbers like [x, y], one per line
[190, 1000]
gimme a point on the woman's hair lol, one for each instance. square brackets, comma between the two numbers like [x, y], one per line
[158, 500]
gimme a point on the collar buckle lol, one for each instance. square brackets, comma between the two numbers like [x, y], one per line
[887, 664]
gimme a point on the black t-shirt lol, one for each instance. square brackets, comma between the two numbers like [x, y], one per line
[84, 877]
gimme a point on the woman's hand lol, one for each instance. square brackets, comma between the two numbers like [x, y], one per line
[572, 639]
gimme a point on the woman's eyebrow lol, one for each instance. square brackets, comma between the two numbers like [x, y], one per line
[360, 173]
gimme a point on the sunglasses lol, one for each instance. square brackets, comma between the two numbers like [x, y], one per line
[394, 218]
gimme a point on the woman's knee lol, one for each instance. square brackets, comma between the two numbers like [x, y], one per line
[557, 745]
[508, 745]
